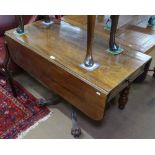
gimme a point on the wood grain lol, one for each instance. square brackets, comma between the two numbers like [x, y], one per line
[133, 31]
[53, 56]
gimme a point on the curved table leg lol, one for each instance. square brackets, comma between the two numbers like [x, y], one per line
[75, 131]
[10, 80]
[46, 102]
[7, 72]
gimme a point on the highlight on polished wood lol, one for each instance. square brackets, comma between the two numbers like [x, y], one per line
[133, 32]
[54, 55]
[138, 35]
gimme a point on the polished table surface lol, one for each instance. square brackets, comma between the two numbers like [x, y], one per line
[53, 56]
[133, 31]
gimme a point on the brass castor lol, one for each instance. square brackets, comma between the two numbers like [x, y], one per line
[75, 131]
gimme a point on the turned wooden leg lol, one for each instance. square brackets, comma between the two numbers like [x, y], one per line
[123, 97]
[112, 44]
[10, 80]
[20, 28]
[89, 62]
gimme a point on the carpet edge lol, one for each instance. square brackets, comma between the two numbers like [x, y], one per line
[24, 133]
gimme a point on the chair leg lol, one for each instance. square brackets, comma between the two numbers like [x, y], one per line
[10, 80]
[112, 44]
[7, 72]
[89, 62]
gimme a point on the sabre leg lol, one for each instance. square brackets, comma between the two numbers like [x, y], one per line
[75, 131]
[46, 102]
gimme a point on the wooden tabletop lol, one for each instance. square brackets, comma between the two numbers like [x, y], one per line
[138, 35]
[133, 31]
[65, 46]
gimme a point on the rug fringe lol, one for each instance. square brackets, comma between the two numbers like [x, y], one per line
[24, 133]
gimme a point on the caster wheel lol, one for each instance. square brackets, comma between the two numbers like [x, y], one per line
[76, 132]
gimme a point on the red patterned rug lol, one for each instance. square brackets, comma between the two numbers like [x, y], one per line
[17, 114]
